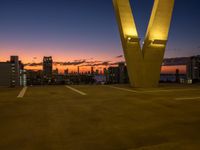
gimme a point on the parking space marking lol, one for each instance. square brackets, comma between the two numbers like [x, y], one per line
[22, 92]
[171, 90]
[75, 90]
[124, 89]
[187, 98]
[151, 91]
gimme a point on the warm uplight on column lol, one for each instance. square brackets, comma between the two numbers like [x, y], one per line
[158, 35]
[131, 32]
[125, 18]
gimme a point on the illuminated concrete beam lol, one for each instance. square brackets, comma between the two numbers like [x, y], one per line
[144, 64]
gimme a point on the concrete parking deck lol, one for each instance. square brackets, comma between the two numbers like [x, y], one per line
[107, 118]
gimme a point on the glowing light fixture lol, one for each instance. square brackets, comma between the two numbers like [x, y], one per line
[133, 39]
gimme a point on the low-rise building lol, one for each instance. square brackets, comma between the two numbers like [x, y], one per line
[5, 75]
[118, 75]
[193, 68]
[188, 68]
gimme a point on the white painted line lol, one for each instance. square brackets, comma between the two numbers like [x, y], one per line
[75, 90]
[187, 98]
[124, 89]
[172, 90]
[151, 91]
[134, 91]
[22, 92]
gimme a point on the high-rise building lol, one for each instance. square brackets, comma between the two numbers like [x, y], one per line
[78, 70]
[15, 73]
[92, 70]
[47, 68]
[12, 73]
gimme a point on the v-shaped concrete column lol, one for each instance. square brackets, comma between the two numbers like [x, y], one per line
[144, 64]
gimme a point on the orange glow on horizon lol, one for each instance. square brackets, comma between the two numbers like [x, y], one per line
[164, 69]
[172, 69]
[27, 58]
[61, 69]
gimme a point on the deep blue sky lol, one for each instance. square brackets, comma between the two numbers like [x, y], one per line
[70, 29]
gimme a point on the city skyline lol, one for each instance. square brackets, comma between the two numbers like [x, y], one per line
[85, 65]
[99, 74]
[69, 31]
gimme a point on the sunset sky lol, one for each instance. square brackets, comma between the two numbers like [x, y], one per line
[85, 30]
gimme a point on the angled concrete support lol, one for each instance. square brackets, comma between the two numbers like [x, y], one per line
[144, 64]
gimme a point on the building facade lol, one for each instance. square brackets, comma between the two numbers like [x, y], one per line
[193, 68]
[118, 75]
[185, 68]
[12, 73]
[5, 75]
[47, 69]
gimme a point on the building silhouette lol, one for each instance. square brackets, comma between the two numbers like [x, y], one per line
[47, 69]
[78, 70]
[118, 75]
[193, 68]
[92, 70]
[34, 77]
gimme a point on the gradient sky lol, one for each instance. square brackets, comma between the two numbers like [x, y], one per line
[86, 29]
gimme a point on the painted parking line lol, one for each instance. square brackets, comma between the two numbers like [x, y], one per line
[124, 89]
[22, 92]
[151, 91]
[187, 98]
[75, 90]
[171, 90]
